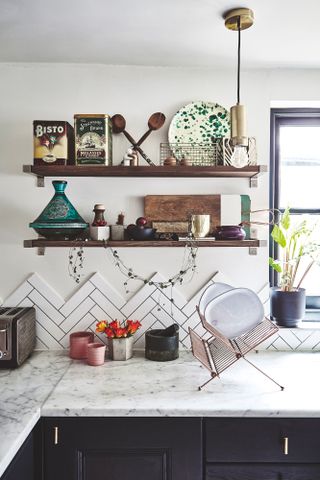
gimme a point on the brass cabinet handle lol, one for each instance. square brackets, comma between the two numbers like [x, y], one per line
[285, 445]
[55, 435]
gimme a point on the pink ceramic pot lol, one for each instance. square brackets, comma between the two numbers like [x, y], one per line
[79, 343]
[96, 354]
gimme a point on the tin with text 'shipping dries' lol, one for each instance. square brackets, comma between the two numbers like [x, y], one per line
[53, 142]
[93, 139]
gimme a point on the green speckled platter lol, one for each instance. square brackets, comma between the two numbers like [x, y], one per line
[197, 122]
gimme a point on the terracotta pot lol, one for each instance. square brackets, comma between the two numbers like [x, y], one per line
[79, 343]
[96, 354]
[287, 308]
[120, 348]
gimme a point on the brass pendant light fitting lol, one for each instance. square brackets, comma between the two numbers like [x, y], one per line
[237, 20]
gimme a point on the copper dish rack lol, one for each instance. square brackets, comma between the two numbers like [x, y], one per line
[219, 352]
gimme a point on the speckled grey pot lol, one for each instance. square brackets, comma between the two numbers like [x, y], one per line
[120, 348]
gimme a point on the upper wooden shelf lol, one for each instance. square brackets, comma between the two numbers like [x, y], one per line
[42, 243]
[221, 171]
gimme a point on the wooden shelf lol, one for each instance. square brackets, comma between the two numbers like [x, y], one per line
[43, 243]
[251, 172]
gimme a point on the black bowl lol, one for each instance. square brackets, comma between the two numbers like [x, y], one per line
[142, 233]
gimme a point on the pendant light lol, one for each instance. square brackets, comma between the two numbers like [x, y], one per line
[237, 20]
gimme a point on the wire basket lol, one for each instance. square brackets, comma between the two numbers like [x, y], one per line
[219, 152]
[197, 154]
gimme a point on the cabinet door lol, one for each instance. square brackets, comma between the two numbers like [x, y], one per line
[263, 472]
[22, 466]
[123, 449]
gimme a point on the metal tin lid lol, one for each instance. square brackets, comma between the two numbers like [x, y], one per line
[91, 115]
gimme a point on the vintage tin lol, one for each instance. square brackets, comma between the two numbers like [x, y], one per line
[53, 142]
[93, 139]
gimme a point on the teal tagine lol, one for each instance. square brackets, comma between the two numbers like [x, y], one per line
[59, 220]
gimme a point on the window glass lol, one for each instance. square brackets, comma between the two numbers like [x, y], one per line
[299, 167]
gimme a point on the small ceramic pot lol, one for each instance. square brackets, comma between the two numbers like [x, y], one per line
[117, 232]
[99, 233]
[96, 354]
[120, 348]
[230, 232]
[79, 343]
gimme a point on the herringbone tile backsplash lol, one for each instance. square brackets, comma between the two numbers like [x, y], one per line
[97, 299]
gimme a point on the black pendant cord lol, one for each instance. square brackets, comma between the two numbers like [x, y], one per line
[239, 58]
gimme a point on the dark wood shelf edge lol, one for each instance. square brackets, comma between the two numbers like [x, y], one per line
[42, 243]
[144, 171]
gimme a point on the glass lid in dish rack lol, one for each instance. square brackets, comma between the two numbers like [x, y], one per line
[235, 312]
[211, 292]
[198, 122]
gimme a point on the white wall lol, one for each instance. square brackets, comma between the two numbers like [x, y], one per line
[56, 92]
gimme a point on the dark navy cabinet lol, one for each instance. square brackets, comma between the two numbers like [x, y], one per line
[27, 464]
[262, 449]
[123, 448]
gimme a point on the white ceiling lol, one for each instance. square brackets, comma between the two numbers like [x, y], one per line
[158, 32]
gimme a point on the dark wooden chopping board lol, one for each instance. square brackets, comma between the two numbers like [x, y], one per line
[177, 208]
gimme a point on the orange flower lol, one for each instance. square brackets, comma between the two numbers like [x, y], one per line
[132, 326]
[114, 324]
[101, 326]
[109, 332]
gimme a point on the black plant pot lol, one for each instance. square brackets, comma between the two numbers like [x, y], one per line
[287, 308]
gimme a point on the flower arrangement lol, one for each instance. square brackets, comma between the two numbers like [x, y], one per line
[114, 329]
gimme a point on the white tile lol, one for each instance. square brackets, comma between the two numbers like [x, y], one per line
[281, 345]
[264, 293]
[310, 342]
[143, 309]
[169, 307]
[106, 305]
[148, 322]
[77, 314]
[47, 339]
[18, 295]
[46, 322]
[138, 299]
[77, 298]
[107, 289]
[301, 333]
[83, 325]
[289, 338]
[44, 288]
[99, 314]
[25, 303]
[46, 307]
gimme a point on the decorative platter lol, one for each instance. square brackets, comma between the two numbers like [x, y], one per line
[198, 122]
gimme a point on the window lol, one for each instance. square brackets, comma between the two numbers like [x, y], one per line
[295, 179]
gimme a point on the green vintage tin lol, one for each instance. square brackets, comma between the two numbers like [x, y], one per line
[93, 139]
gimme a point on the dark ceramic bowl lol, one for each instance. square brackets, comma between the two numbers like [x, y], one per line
[60, 232]
[230, 232]
[139, 233]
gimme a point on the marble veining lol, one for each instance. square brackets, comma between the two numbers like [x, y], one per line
[143, 388]
[50, 384]
[23, 392]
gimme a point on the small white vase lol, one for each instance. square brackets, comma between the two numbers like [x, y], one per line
[120, 348]
[99, 233]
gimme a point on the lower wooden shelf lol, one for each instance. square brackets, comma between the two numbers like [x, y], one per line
[43, 243]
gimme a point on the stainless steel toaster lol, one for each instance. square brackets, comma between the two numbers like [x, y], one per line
[17, 335]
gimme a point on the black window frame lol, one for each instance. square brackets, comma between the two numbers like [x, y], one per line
[282, 117]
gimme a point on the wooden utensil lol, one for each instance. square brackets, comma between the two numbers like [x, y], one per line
[155, 122]
[119, 126]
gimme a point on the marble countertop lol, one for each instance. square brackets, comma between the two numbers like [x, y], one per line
[50, 384]
[23, 392]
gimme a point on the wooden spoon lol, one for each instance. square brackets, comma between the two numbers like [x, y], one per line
[154, 123]
[119, 126]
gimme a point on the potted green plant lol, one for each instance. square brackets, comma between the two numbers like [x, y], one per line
[295, 241]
